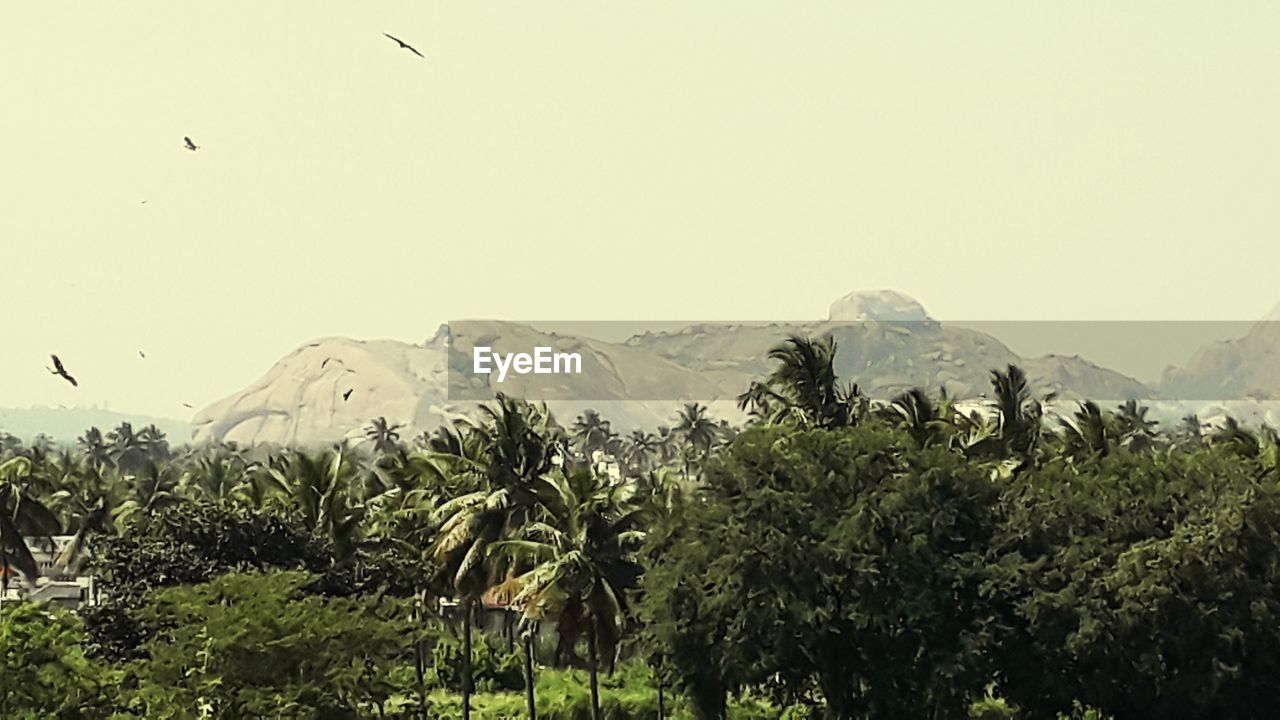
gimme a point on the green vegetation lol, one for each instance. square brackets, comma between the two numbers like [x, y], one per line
[835, 558]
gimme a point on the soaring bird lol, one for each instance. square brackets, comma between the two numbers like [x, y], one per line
[405, 45]
[190, 145]
[346, 395]
[187, 405]
[61, 371]
[142, 355]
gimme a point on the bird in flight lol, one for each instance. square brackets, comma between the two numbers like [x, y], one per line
[61, 371]
[142, 355]
[405, 45]
[187, 405]
[190, 145]
[347, 395]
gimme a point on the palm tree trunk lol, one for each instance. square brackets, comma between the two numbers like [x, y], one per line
[528, 674]
[466, 659]
[593, 667]
[662, 711]
[419, 654]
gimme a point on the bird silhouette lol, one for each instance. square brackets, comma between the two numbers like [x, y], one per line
[405, 45]
[142, 355]
[190, 145]
[61, 371]
[187, 405]
[347, 395]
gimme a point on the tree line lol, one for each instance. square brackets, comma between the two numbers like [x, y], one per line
[835, 557]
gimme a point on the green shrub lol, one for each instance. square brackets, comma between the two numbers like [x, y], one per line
[493, 669]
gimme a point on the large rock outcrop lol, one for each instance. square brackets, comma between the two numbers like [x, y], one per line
[887, 343]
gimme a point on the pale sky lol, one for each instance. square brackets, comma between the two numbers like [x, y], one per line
[599, 160]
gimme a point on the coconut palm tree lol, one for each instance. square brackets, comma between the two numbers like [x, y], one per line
[642, 448]
[590, 433]
[584, 564]
[154, 488]
[916, 413]
[1137, 432]
[384, 436]
[22, 514]
[521, 445]
[697, 431]
[153, 443]
[1019, 414]
[318, 488]
[94, 447]
[804, 387]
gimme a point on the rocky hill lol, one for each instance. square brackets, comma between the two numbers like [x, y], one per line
[330, 388]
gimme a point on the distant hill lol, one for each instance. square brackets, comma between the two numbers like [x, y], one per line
[330, 388]
[64, 425]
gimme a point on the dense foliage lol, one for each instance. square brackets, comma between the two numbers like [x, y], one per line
[836, 557]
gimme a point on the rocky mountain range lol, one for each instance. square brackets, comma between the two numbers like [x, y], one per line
[330, 388]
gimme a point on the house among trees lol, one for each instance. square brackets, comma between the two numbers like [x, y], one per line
[55, 583]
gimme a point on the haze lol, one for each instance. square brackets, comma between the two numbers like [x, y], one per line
[587, 160]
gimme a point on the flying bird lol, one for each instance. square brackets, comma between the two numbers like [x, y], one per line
[61, 371]
[347, 395]
[187, 405]
[190, 145]
[405, 45]
[142, 355]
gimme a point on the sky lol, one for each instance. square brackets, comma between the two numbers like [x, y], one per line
[596, 160]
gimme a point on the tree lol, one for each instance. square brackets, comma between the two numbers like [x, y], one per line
[804, 388]
[521, 445]
[583, 557]
[95, 448]
[251, 645]
[698, 431]
[846, 564]
[385, 437]
[22, 514]
[45, 669]
[591, 433]
[319, 491]
[1143, 584]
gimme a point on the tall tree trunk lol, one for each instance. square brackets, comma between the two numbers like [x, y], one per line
[419, 653]
[662, 710]
[466, 659]
[528, 675]
[593, 667]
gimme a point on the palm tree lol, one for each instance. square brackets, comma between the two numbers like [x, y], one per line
[152, 489]
[1137, 431]
[318, 488]
[698, 431]
[94, 447]
[696, 427]
[153, 443]
[1089, 433]
[590, 433]
[21, 515]
[521, 445]
[804, 387]
[127, 448]
[641, 450]
[385, 437]
[1019, 415]
[584, 564]
[917, 414]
